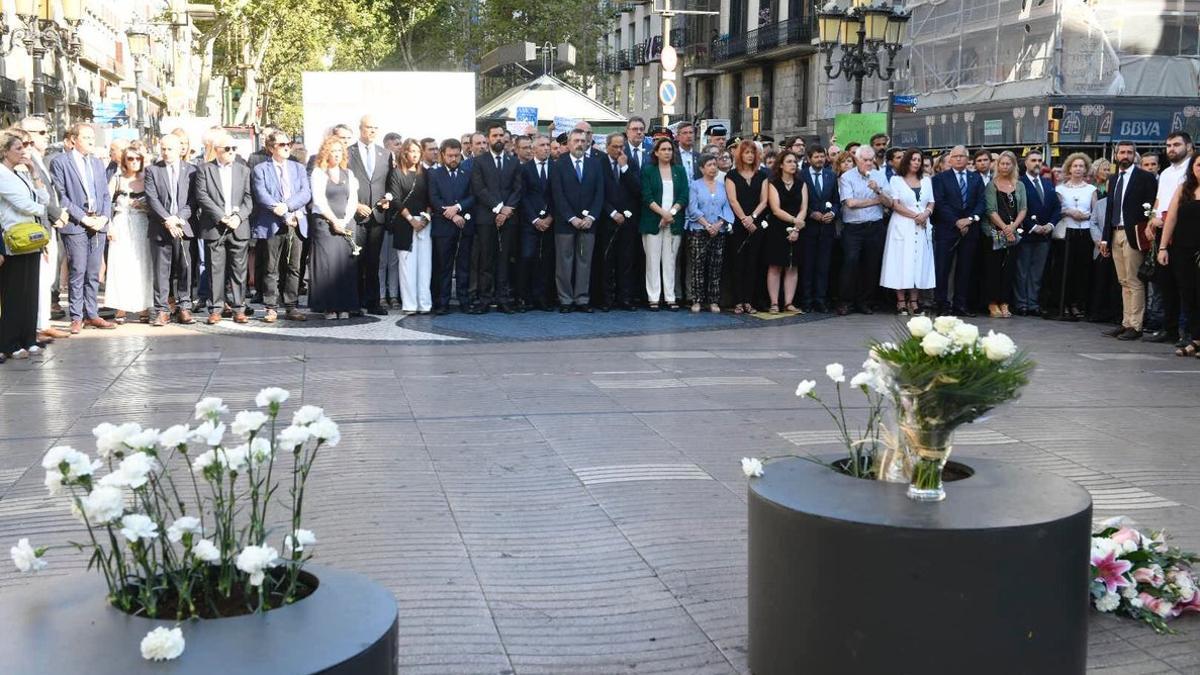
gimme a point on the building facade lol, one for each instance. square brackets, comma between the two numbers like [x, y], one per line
[631, 70]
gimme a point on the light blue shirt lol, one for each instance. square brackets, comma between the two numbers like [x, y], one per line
[853, 185]
[712, 206]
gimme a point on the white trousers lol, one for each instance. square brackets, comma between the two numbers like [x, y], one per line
[416, 270]
[661, 251]
[49, 268]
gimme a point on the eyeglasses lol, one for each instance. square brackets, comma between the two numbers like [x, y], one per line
[39, 132]
[133, 158]
[229, 148]
[27, 144]
[283, 145]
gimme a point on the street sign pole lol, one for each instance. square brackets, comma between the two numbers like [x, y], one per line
[670, 62]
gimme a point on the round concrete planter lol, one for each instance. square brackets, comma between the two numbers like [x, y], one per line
[348, 626]
[851, 576]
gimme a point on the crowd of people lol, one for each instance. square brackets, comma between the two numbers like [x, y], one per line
[580, 223]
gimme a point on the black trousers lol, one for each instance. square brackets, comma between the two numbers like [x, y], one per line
[369, 236]
[746, 249]
[959, 252]
[613, 256]
[451, 263]
[1000, 268]
[19, 300]
[1186, 269]
[862, 256]
[172, 273]
[535, 271]
[816, 253]
[491, 261]
[282, 276]
[226, 272]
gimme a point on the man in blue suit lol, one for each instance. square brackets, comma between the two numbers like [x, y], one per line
[578, 199]
[637, 146]
[281, 194]
[1044, 211]
[83, 191]
[453, 231]
[496, 185]
[618, 233]
[958, 209]
[816, 251]
[535, 272]
[169, 196]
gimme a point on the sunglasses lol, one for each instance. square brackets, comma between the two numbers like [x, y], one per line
[229, 148]
[133, 158]
[27, 144]
[283, 145]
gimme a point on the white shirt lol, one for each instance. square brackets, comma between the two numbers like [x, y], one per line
[82, 166]
[1078, 197]
[1123, 179]
[1168, 183]
[668, 198]
[225, 171]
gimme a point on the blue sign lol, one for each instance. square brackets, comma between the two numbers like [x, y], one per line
[1151, 129]
[110, 111]
[527, 114]
[903, 99]
[667, 92]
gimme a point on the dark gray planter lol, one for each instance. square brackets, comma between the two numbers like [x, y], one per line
[62, 624]
[851, 576]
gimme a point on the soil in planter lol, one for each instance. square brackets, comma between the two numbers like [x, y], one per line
[953, 471]
[242, 599]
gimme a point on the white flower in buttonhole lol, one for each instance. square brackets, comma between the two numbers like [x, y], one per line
[307, 415]
[998, 346]
[752, 467]
[920, 326]
[260, 452]
[175, 437]
[26, 557]
[138, 527]
[936, 344]
[210, 408]
[183, 525]
[1108, 602]
[965, 335]
[247, 422]
[209, 433]
[68, 461]
[297, 540]
[110, 438]
[835, 372]
[146, 439]
[271, 397]
[206, 551]
[293, 437]
[162, 644]
[103, 504]
[325, 430]
[255, 561]
[946, 324]
[806, 387]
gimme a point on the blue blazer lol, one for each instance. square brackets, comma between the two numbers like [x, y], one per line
[1047, 212]
[948, 205]
[537, 200]
[71, 193]
[828, 193]
[267, 192]
[446, 191]
[573, 196]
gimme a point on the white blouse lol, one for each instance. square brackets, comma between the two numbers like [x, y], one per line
[1078, 198]
[668, 198]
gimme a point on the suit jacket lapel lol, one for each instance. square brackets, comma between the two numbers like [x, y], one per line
[216, 177]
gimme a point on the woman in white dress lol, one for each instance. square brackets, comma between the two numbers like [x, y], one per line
[129, 285]
[908, 250]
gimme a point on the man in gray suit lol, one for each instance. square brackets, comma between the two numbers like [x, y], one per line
[168, 193]
[224, 202]
[372, 165]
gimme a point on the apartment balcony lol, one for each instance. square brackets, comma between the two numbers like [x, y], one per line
[772, 42]
[10, 91]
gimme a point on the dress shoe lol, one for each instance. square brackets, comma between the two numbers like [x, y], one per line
[564, 309]
[439, 311]
[160, 319]
[504, 308]
[377, 310]
[1115, 332]
[606, 308]
[843, 310]
[1183, 342]
[97, 322]
[586, 309]
[520, 307]
[227, 312]
[185, 317]
[56, 333]
[1130, 335]
[271, 316]
[1157, 336]
[214, 319]
[821, 307]
[864, 309]
[294, 314]
[240, 317]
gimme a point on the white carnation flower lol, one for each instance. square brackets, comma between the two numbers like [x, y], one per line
[210, 433]
[861, 379]
[255, 561]
[965, 335]
[133, 472]
[806, 387]
[146, 439]
[78, 464]
[110, 439]
[1108, 602]
[1135, 602]
[162, 644]
[935, 344]
[946, 324]
[271, 396]
[307, 415]
[236, 459]
[835, 372]
[175, 436]
[54, 482]
[103, 505]
[293, 437]
[25, 557]
[206, 551]
[997, 346]
[204, 460]
[1129, 592]
[920, 326]
[183, 525]
[325, 430]
[247, 422]
[297, 540]
[752, 467]
[210, 408]
[138, 527]
[260, 451]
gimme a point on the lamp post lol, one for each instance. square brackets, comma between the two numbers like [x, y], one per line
[40, 33]
[861, 31]
[139, 45]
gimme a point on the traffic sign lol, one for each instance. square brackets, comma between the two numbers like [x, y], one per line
[668, 92]
[669, 57]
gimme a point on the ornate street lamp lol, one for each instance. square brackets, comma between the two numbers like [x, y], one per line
[40, 33]
[138, 37]
[860, 32]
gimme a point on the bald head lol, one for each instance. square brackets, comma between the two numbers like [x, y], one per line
[584, 126]
[367, 129]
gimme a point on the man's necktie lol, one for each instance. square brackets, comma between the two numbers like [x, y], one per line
[89, 179]
[962, 187]
[173, 183]
[1119, 197]
[285, 181]
[579, 169]
[616, 171]
[817, 180]
[368, 160]
[1037, 185]
[542, 171]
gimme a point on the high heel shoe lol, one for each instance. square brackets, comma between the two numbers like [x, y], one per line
[901, 309]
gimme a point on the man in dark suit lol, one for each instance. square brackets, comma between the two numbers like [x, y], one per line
[578, 199]
[535, 273]
[1044, 209]
[453, 232]
[281, 193]
[824, 207]
[496, 185]
[618, 231]
[685, 138]
[169, 196]
[78, 176]
[958, 208]
[1128, 189]
[371, 165]
[224, 203]
[637, 146]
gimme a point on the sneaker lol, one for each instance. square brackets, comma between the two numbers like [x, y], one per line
[20, 354]
[343, 315]
[330, 316]
[34, 350]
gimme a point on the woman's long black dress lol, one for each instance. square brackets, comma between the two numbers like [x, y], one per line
[780, 252]
[334, 270]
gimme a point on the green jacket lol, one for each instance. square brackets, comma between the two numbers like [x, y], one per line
[652, 191]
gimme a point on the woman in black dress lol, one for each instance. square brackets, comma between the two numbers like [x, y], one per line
[334, 262]
[787, 194]
[1181, 250]
[409, 215]
[746, 188]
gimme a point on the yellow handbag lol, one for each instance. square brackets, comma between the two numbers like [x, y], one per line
[25, 238]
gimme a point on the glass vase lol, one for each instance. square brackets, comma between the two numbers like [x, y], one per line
[927, 446]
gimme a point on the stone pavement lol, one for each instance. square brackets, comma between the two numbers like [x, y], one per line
[543, 502]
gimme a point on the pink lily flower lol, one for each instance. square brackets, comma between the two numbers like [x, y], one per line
[1111, 572]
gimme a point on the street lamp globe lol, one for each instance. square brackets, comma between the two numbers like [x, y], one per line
[39, 9]
[139, 40]
[897, 28]
[850, 26]
[876, 20]
[72, 11]
[829, 24]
